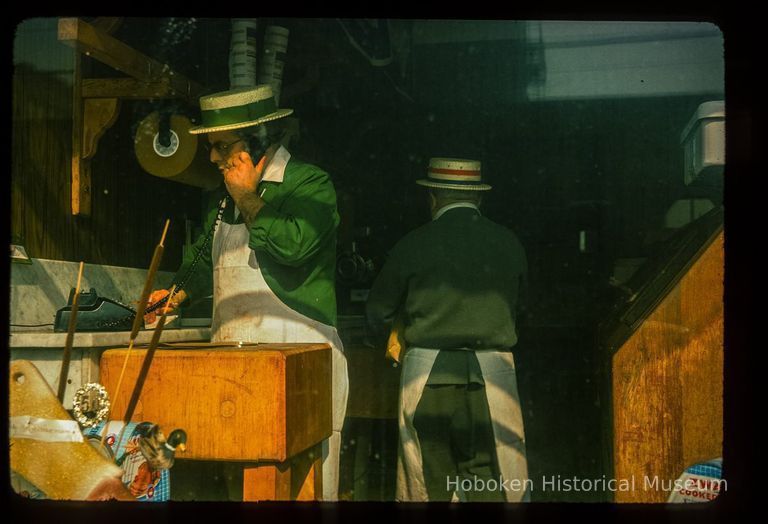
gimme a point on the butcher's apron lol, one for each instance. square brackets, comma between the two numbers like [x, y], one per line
[245, 309]
[498, 369]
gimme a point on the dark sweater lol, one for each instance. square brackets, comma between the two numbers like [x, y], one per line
[457, 281]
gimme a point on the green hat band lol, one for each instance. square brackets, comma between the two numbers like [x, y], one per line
[238, 114]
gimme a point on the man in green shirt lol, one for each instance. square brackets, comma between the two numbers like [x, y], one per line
[271, 262]
[454, 284]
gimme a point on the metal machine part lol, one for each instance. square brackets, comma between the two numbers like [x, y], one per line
[352, 268]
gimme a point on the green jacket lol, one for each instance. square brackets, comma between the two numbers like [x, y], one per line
[456, 281]
[293, 236]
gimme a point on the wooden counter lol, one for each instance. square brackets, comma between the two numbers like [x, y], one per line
[268, 405]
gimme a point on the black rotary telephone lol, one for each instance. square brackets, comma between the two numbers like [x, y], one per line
[97, 313]
[103, 312]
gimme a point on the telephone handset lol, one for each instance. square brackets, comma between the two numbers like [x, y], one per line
[107, 321]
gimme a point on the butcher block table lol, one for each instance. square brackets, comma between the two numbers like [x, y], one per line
[268, 405]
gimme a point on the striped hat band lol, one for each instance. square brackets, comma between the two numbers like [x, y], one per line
[454, 173]
[458, 175]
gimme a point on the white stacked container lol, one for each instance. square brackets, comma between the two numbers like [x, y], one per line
[242, 53]
[273, 58]
[704, 141]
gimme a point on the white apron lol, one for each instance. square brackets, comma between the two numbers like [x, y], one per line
[245, 309]
[498, 370]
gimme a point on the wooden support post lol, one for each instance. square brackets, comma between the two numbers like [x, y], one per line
[81, 168]
[267, 482]
[307, 481]
[299, 478]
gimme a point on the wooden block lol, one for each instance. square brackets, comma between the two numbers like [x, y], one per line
[62, 470]
[264, 403]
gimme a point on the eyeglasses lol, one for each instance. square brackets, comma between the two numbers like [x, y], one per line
[221, 147]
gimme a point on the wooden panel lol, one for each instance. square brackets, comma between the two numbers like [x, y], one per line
[646, 393]
[702, 305]
[308, 396]
[41, 135]
[668, 384]
[702, 290]
[266, 403]
[374, 383]
[702, 414]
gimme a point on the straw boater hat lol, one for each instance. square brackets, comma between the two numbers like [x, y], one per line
[454, 173]
[238, 108]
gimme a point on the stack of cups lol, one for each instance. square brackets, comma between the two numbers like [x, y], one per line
[242, 53]
[273, 58]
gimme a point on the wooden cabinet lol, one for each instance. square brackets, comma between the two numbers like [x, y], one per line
[666, 368]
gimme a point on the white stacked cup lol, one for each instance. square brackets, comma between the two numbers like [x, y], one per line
[273, 58]
[242, 53]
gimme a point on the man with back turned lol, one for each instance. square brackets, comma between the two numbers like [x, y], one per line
[454, 285]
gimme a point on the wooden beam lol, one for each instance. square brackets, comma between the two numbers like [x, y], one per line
[128, 88]
[105, 48]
